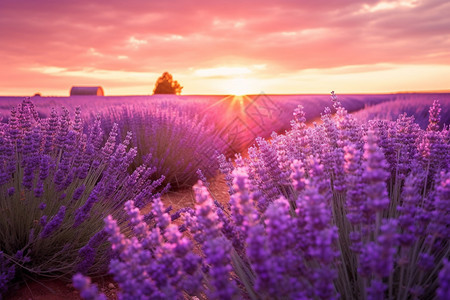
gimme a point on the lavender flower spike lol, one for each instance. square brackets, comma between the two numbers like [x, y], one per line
[435, 118]
[374, 177]
[87, 290]
[218, 257]
[443, 292]
[54, 223]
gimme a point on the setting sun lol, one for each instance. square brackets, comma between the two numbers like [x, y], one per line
[183, 149]
[240, 87]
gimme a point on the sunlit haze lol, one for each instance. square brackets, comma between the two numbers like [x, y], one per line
[223, 47]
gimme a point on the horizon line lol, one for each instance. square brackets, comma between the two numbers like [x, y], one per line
[253, 94]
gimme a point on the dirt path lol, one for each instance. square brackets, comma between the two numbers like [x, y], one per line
[185, 198]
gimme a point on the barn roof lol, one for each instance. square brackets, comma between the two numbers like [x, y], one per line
[86, 91]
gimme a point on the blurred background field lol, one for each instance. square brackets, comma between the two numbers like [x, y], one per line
[251, 116]
[213, 106]
[181, 134]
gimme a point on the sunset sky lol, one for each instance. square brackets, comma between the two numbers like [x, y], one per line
[225, 47]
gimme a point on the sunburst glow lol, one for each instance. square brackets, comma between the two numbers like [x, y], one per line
[240, 87]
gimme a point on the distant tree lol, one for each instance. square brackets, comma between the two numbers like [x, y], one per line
[166, 85]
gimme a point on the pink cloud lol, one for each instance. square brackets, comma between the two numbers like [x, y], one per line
[179, 36]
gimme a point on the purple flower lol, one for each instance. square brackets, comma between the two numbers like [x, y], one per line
[269, 156]
[108, 149]
[54, 223]
[319, 178]
[87, 290]
[83, 170]
[226, 168]
[443, 291]
[39, 190]
[140, 228]
[162, 218]
[356, 243]
[433, 144]
[299, 143]
[377, 258]
[404, 136]
[217, 252]
[42, 206]
[28, 175]
[64, 121]
[285, 260]
[323, 284]
[21, 257]
[409, 211]
[259, 176]
[59, 177]
[27, 146]
[87, 252]
[242, 206]
[13, 125]
[440, 215]
[117, 240]
[298, 175]
[7, 272]
[77, 123]
[43, 220]
[205, 223]
[283, 158]
[202, 177]
[425, 262]
[259, 257]
[78, 192]
[230, 231]
[175, 242]
[3, 176]
[355, 188]
[11, 191]
[435, 116]
[314, 209]
[151, 265]
[330, 127]
[280, 227]
[51, 127]
[83, 212]
[376, 290]
[374, 178]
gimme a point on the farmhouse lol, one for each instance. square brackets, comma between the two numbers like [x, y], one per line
[86, 91]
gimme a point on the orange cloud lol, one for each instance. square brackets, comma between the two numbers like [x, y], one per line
[209, 41]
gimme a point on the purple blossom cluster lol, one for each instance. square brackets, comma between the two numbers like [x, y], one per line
[341, 209]
[160, 131]
[57, 183]
[87, 290]
[368, 197]
[7, 272]
[157, 262]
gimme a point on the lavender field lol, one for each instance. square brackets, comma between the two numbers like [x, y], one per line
[341, 197]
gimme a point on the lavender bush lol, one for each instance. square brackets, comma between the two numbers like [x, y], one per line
[337, 210]
[175, 140]
[366, 203]
[56, 186]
